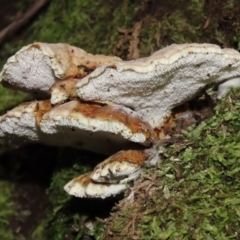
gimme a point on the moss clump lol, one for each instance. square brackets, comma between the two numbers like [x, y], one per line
[9, 99]
[194, 191]
[8, 210]
[169, 23]
[91, 25]
[163, 23]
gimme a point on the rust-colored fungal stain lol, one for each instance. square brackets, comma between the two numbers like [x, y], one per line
[84, 179]
[115, 114]
[136, 157]
[41, 108]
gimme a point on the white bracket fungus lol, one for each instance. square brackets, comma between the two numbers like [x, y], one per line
[110, 176]
[36, 67]
[84, 187]
[154, 85]
[225, 86]
[104, 129]
[104, 104]
[120, 166]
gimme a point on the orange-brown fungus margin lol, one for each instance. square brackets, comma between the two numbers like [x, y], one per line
[41, 109]
[113, 113]
[136, 157]
[84, 179]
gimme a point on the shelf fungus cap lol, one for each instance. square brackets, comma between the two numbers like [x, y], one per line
[154, 85]
[120, 167]
[97, 127]
[21, 121]
[37, 66]
[84, 187]
[100, 128]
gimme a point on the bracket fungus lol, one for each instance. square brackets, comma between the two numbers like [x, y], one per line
[109, 177]
[168, 78]
[36, 67]
[100, 128]
[106, 105]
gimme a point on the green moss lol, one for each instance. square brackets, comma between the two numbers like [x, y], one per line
[171, 24]
[91, 25]
[8, 210]
[194, 191]
[9, 99]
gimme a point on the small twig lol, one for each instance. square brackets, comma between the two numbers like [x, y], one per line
[18, 23]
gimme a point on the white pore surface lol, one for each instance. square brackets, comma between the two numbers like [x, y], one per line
[20, 122]
[153, 86]
[73, 132]
[24, 127]
[29, 70]
[93, 134]
[93, 190]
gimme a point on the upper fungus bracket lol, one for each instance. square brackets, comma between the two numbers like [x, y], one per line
[154, 85]
[36, 67]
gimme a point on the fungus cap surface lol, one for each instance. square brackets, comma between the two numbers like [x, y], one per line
[63, 90]
[154, 85]
[84, 187]
[119, 166]
[37, 66]
[21, 121]
[95, 127]
[100, 128]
